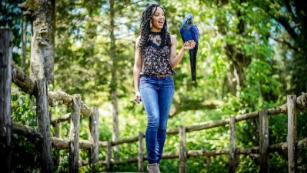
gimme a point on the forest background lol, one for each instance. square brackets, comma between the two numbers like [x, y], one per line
[252, 54]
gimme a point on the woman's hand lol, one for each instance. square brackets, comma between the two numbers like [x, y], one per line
[189, 45]
[137, 98]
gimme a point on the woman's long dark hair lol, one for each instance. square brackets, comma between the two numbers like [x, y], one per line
[145, 28]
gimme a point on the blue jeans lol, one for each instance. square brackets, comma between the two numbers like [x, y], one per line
[157, 97]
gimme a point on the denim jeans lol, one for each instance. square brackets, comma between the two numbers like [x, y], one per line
[157, 97]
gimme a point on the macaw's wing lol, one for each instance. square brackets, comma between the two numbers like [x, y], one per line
[182, 33]
[195, 33]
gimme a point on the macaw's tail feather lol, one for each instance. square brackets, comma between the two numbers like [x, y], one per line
[193, 54]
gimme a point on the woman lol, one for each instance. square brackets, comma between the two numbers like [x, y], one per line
[155, 58]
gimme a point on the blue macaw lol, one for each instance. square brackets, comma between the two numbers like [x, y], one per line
[188, 32]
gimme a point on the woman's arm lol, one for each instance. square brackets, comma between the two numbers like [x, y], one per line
[137, 69]
[175, 59]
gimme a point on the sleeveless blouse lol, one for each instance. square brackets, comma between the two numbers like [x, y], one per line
[156, 59]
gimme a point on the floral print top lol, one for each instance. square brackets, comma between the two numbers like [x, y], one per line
[156, 58]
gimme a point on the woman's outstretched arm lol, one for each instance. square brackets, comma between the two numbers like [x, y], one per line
[175, 59]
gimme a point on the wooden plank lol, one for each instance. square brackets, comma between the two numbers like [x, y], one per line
[183, 150]
[74, 135]
[94, 151]
[141, 152]
[291, 138]
[264, 141]
[232, 150]
[5, 98]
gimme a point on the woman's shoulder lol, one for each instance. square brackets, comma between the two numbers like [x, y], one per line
[173, 38]
[137, 41]
[138, 38]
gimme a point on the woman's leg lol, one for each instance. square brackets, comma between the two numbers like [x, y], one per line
[166, 93]
[149, 97]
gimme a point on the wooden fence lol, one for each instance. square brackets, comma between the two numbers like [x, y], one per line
[9, 72]
[292, 107]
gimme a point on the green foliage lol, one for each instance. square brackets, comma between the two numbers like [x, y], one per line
[23, 108]
[273, 65]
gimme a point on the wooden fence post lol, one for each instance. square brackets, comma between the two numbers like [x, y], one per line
[108, 156]
[141, 153]
[264, 141]
[74, 135]
[5, 98]
[57, 152]
[291, 138]
[183, 151]
[232, 150]
[94, 124]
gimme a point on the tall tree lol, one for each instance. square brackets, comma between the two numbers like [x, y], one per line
[42, 53]
[113, 84]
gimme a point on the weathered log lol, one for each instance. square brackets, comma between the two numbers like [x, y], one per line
[232, 146]
[74, 136]
[94, 138]
[62, 143]
[27, 85]
[63, 118]
[264, 141]
[32, 135]
[35, 137]
[108, 156]
[5, 99]
[56, 153]
[301, 101]
[291, 138]
[182, 150]
[122, 141]
[60, 96]
[221, 123]
[253, 151]
[44, 124]
[208, 125]
[42, 53]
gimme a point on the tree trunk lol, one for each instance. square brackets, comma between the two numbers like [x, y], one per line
[113, 86]
[5, 100]
[42, 53]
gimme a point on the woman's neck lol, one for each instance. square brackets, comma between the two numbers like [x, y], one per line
[155, 30]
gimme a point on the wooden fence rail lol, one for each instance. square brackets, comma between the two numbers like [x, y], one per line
[80, 110]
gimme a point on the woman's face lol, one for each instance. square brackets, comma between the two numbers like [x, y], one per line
[158, 18]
